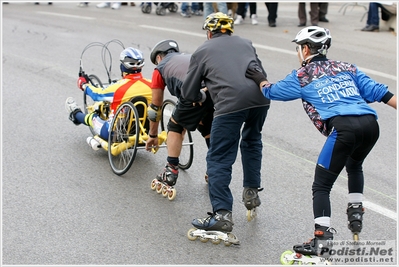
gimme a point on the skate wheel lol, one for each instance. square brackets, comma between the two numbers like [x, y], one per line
[227, 243]
[172, 194]
[216, 241]
[154, 184]
[251, 214]
[203, 239]
[233, 240]
[159, 188]
[206, 178]
[164, 191]
[284, 258]
[356, 237]
[190, 235]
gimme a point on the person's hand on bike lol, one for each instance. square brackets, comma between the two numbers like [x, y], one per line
[152, 144]
[82, 80]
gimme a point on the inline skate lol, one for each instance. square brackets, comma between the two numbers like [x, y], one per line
[355, 213]
[313, 252]
[216, 227]
[251, 201]
[165, 181]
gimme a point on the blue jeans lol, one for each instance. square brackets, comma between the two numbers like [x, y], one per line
[373, 17]
[208, 8]
[194, 6]
[225, 138]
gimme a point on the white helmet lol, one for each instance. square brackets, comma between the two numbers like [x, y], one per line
[132, 60]
[314, 35]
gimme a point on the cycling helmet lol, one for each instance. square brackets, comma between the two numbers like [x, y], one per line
[132, 60]
[314, 35]
[164, 46]
[218, 22]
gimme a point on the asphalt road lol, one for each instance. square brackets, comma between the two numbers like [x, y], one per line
[61, 202]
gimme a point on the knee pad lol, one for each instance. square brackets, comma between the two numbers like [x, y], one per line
[204, 127]
[174, 127]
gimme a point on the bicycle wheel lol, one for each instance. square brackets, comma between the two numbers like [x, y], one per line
[88, 103]
[123, 138]
[187, 151]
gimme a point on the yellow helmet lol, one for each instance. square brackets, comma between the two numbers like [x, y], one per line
[219, 22]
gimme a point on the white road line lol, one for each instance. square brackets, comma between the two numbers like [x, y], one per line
[381, 210]
[64, 15]
[270, 48]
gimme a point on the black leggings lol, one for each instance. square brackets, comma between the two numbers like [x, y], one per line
[351, 140]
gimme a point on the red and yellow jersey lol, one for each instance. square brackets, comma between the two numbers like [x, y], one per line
[130, 86]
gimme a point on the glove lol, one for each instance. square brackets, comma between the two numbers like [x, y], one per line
[154, 113]
[255, 74]
[81, 81]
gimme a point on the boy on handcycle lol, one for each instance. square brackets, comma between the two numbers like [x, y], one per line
[131, 85]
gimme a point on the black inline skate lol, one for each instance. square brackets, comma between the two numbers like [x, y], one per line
[216, 227]
[313, 252]
[165, 181]
[251, 201]
[355, 213]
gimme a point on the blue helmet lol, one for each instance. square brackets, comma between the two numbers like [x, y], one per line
[132, 60]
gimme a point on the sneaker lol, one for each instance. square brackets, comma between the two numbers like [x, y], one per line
[83, 4]
[371, 28]
[116, 5]
[102, 5]
[70, 105]
[169, 174]
[254, 19]
[185, 14]
[72, 108]
[238, 20]
[222, 221]
[197, 13]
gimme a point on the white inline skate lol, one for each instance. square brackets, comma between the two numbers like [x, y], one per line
[165, 181]
[216, 227]
[251, 201]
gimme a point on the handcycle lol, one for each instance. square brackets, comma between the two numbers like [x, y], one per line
[129, 125]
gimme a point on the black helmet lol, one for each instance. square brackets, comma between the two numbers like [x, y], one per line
[163, 47]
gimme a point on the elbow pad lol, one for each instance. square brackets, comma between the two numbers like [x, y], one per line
[154, 113]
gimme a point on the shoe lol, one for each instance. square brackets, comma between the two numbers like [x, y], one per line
[322, 242]
[169, 174]
[220, 221]
[197, 13]
[102, 5]
[323, 19]
[71, 105]
[116, 5]
[72, 108]
[301, 24]
[132, 4]
[254, 19]
[272, 24]
[83, 4]
[185, 14]
[238, 20]
[371, 28]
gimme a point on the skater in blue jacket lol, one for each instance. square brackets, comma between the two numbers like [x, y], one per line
[335, 96]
